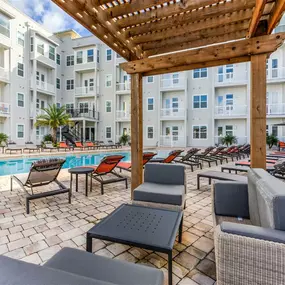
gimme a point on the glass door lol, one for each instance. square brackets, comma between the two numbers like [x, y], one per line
[166, 106]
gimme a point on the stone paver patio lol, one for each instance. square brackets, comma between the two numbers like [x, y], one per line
[53, 224]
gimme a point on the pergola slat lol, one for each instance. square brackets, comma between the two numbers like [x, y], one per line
[258, 11]
[276, 15]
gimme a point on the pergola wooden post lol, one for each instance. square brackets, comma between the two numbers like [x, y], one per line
[163, 36]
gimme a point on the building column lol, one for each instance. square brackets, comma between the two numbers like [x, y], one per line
[84, 130]
[258, 111]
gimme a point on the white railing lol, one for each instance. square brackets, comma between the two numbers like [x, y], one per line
[173, 83]
[4, 73]
[4, 31]
[240, 140]
[124, 86]
[231, 77]
[275, 73]
[172, 112]
[5, 108]
[172, 141]
[44, 86]
[123, 115]
[275, 109]
[231, 110]
[87, 90]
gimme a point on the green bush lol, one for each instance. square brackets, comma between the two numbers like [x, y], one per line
[124, 139]
[3, 139]
[229, 140]
[271, 140]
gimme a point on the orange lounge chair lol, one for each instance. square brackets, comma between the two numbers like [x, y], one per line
[107, 166]
[63, 145]
[79, 145]
[247, 163]
[147, 156]
[171, 156]
[90, 145]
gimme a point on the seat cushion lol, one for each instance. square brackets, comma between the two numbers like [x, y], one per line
[160, 193]
[105, 269]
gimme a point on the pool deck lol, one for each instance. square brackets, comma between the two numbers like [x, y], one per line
[53, 224]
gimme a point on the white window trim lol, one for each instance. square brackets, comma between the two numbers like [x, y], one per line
[147, 104]
[18, 31]
[200, 101]
[23, 131]
[147, 132]
[23, 69]
[66, 84]
[200, 125]
[59, 58]
[107, 56]
[87, 55]
[106, 80]
[147, 79]
[106, 106]
[73, 60]
[59, 83]
[51, 53]
[106, 133]
[23, 99]
[200, 77]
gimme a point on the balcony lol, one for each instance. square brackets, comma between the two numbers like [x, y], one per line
[124, 87]
[123, 115]
[5, 109]
[172, 141]
[275, 74]
[275, 109]
[86, 91]
[178, 83]
[5, 39]
[231, 111]
[231, 78]
[240, 140]
[43, 86]
[172, 114]
[84, 114]
[4, 75]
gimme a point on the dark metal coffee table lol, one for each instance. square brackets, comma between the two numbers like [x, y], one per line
[148, 228]
[79, 171]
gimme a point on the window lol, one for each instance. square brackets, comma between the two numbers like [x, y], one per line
[98, 56]
[267, 130]
[83, 107]
[200, 73]
[175, 104]
[58, 105]
[108, 80]
[38, 104]
[79, 57]
[150, 104]
[21, 39]
[91, 84]
[108, 106]
[220, 131]
[20, 99]
[275, 131]
[42, 104]
[70, 60]
[229, 130]
[69, 84]
[108, 54]
[150, 79]
[108, 132]
[175, 133]
[229, 101]
[38, 77]
[274, 68]
[175, 78]
[42, 77]
[275, 63]
[32, 44]
[58, 83]
[51, 53]
[200, 101]
[199, 132]
[58, 59]
[20, 131]
[69, 108]
[21, 69]
[4, 25]
[41, 49]
[229, 68]
[150, 132]
[90, 55]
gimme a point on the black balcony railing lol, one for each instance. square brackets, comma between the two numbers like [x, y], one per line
[83, 113]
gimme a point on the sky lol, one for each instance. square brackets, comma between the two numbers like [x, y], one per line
[49, 15]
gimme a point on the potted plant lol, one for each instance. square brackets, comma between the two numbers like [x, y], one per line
[271, 140]
[229, 140]
[124, 139]
[3, 139]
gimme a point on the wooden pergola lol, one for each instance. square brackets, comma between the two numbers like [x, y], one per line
[162, 36]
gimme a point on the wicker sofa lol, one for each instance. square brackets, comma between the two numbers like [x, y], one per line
[250, 231]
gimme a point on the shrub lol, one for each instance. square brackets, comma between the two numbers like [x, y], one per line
[124, 139]
[3, 139]
[229, 140]
[271, 140]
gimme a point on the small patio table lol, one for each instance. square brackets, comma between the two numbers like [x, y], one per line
[144, 227]
[79, 171]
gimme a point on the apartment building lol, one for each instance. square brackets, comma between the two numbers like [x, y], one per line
[193, 108]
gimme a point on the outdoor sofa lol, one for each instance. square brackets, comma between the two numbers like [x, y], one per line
[250, 232]
[73, 267]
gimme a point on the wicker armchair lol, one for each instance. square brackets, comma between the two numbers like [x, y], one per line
[250, 232]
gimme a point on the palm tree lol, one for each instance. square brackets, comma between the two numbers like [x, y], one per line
[53, 118]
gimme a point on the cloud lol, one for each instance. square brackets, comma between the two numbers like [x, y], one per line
[49, 15]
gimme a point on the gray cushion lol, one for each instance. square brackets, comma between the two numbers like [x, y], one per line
[160, 193]
[15, 272]
[231, 199]
[253, 232]
[106, 269]
[164, 174]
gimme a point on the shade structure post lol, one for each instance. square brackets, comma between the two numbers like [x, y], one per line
[258, 111]
[136, 130]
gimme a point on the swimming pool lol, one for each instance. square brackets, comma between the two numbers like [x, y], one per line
[15, 166]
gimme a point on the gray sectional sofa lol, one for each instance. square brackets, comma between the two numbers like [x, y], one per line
[76, 267]
[250, 232]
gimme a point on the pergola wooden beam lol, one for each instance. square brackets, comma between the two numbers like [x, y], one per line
[257, 13]
[276, 15]
[241, 48]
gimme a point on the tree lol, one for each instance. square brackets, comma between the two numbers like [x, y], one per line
[53, 118]
[271, 140]
[3, 138]
[229, 140]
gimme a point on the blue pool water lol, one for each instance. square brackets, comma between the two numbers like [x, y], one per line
[14, 166]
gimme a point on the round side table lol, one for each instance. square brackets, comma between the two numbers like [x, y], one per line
[79, 171]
